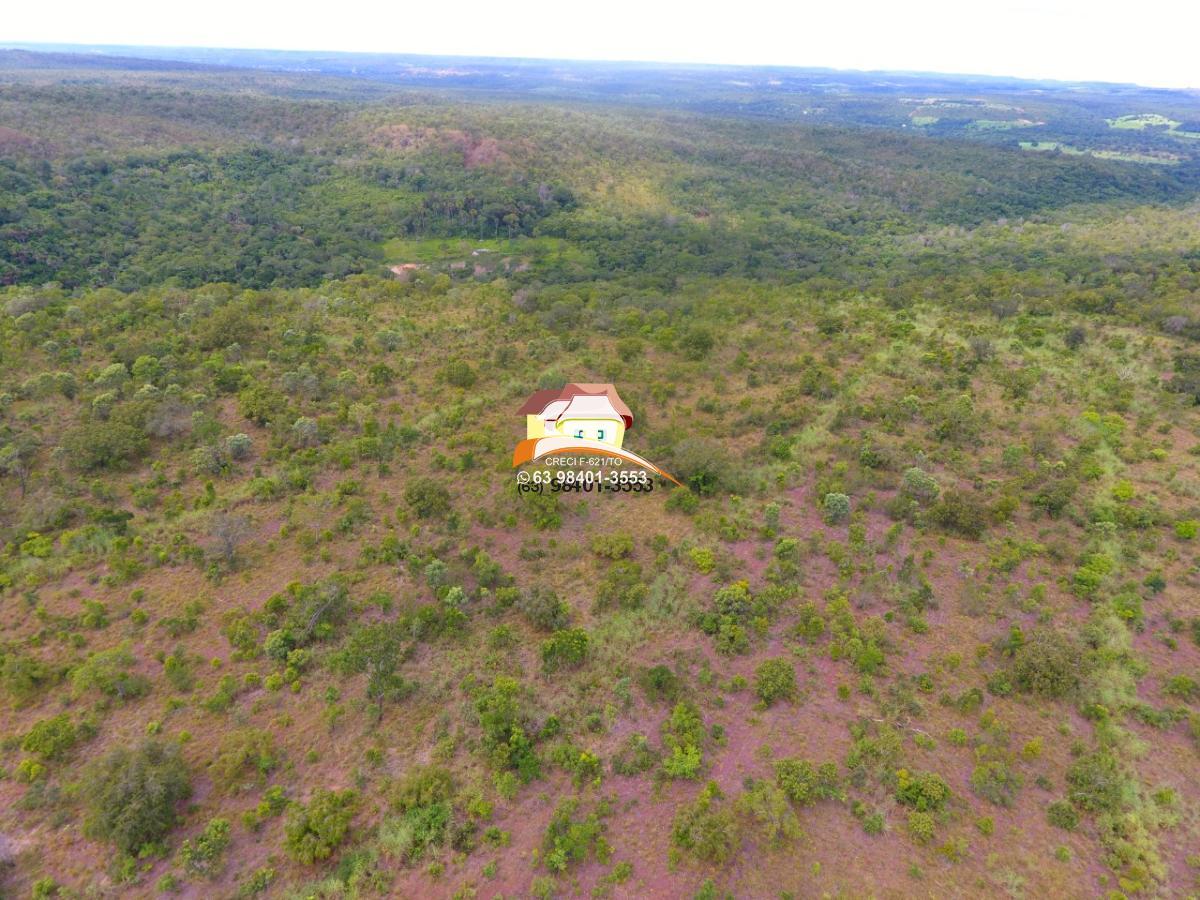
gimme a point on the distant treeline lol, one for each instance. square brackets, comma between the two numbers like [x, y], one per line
[261, 191]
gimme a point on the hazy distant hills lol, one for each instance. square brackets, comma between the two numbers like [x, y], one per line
[571, 75]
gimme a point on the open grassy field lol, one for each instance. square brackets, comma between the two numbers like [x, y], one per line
[1159, 158]
[1153, 121]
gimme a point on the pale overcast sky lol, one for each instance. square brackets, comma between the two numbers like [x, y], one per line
[1151, 42]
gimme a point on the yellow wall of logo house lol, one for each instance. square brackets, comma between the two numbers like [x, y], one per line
[584, 417]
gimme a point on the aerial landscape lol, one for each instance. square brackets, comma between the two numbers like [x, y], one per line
[900, 596]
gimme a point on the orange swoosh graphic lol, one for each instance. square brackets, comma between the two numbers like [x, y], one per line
[529, 451]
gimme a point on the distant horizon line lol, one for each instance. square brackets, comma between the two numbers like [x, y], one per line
[100, 50]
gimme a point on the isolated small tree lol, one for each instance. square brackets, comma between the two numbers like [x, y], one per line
[245, 758]
[111, 378]
[146, 368]
[16, 460]
[835, 508]
[544, 609]
[131, 795]
[458, 373]
[239, 446]
[697, 342]
[209, 459]
[775, 679]
[377, 650]
[260, 404]
[305, 432]
[169, 419]
[919, 485]
[702, 464]
[103, 445]
[228, 531]
[1005, 307]
[982, 349]
[428, 498]
[1049, 663]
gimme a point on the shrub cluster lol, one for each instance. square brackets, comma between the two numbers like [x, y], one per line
[132, 795]
[314, 830]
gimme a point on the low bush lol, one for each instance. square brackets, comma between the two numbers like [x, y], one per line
[104, 445]
[623, 586]
[960, 513]
[660, 684]
[862, 644]
[683, 738]
[203, 855]
[565, 649]
[805, 783]
[421, 827]
[51, 738]
[734, 609]
[1055, 494]
[504, 729]
[635, 756]
[613, 546]
[570, 840]
[683, 762]
[874, 754]
[22, 677]
[921, 826]
[1182, 686]
[178, 668]
[703, 559]
[422, 786]
[544, 609]
[703, 465]
[1061, 814]
[108, 672]
[246, 756]
[923, 791]
[273, 803]
[1097, 784]
[314, 830]
[707, 827]
[584, 766]
[995, 781]
[775, 679]
[458, 373]
[768, 807]
[1089, 577]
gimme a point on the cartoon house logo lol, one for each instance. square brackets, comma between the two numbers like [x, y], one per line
[578, 419]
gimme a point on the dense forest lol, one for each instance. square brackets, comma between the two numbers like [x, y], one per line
[275, 619]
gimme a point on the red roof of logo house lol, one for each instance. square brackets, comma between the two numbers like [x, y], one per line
[539, 400]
